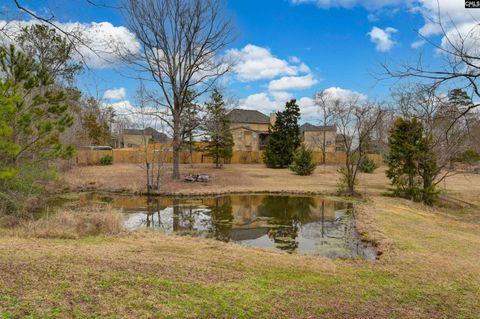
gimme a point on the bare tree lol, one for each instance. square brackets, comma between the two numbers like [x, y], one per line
[461, 67]
[442, 119]
[180, 45]
[355, 122]
[325, 102]
[153, 154]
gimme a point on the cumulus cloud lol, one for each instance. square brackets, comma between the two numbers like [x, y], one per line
[115, 94]
[292, 83]
[255, 63]
[417, 44]
[268, 102]
[124, 107]
[368, 4]
[261, 102]
[459, 24]
[382, 38]
[338, 93]
[451, 12]
[101, 42]
[281, 96]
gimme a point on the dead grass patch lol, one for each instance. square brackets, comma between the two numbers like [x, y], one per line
[73, 224]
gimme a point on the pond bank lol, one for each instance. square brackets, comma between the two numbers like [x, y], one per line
[125, 178]
[430, 271]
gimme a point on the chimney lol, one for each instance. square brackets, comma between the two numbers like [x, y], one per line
[273, 118]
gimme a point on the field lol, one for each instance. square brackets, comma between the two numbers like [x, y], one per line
[428, 267]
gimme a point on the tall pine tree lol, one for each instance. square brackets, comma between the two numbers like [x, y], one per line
[218, 137]
[284, 137]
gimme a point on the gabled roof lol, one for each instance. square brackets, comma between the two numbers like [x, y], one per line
[156, 135]
[248, 116]
[146, 131]
[307, 127]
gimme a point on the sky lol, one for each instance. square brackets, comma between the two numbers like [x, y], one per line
[284, 48]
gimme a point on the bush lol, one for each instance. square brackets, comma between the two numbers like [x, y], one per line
[303, 161]
[469, 157]
[367, 165]
[106, 160]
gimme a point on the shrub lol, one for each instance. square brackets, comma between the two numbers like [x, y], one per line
[367, 165]
[469, 157]
[303, 161]
[106, 160]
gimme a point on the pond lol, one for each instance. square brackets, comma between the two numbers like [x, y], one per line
[305, 225]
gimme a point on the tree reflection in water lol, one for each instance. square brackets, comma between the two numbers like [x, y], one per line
[295, 224]
[286, 216]
[221, 218]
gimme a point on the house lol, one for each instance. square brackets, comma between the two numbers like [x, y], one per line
[250, 129]
[138, 137]
[313, 135]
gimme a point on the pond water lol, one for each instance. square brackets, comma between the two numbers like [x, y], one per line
[306, 225]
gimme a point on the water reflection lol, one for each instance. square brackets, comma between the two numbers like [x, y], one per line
[296, 224]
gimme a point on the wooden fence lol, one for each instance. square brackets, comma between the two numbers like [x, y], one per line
[138, 155]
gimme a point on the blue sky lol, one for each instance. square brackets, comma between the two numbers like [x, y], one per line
[304, 46]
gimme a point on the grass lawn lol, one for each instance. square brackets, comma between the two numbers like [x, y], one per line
[429, 268]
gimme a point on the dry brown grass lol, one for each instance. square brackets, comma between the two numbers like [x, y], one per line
[428, 268]
[73, 224]
[251, 178]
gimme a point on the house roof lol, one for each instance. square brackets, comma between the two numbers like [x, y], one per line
[248, 116]
[307, 127]
[156, 135]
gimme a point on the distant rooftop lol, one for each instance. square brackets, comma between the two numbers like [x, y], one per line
[248, 116]
[156, 135]
[307, 127]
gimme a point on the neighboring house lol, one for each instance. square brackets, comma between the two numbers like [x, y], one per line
[312, 136]
[138, 137]
[250, 129]
[340, 143]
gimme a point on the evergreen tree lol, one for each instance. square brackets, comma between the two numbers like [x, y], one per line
[33, 115]
[97, 122]
[411, 161]
[405, 136]
[284, 137]
[50, 50]
[303, 161]
[191, 123]
[219, 139]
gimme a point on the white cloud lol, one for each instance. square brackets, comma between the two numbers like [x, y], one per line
[369, 4]
[282, 96]
[451, 13]
[261, 102]
[100, 44]
[115, 94]
[275, 101]
[308, 109]
[255, 63]
[382, 38]
[294, 59]
[417, 44]
[337, 93]
[292, 83]
[458, 22]
[122, 107]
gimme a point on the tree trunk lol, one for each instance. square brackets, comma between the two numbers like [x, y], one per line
[176, 143]
[324, 152]
[191, 151]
